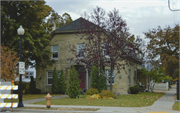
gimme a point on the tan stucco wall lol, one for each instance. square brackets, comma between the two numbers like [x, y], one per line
[63, 41]
[121, 85]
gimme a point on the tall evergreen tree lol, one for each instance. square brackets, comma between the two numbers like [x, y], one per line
[61, 83]
[102, 83]
[98, 80]
[73, 86]
[55, 82]
[94, 83]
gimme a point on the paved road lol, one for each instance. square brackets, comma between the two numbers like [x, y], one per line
[162, 105]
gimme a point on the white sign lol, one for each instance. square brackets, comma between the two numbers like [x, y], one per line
[21, 67]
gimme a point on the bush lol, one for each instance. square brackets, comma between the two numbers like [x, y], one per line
[91, 91]
[37, 91]
[55, 82]
[32, 86]
[105, 94]
[61, 83]
[102, 83]
[135, 89]
[25, 87]
[95, 96]
[73, 87]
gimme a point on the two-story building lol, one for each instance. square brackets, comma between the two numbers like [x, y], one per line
[61, 38]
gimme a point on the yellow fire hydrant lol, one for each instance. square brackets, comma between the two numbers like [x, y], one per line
[48, 100]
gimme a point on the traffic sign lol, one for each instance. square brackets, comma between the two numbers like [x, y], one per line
[21, 67]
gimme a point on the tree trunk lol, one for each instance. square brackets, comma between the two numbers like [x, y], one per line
[111, 78]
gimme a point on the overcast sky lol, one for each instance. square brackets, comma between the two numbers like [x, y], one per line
[140, 15]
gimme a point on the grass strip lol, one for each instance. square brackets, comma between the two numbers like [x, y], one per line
[176, 105]
[30, 97]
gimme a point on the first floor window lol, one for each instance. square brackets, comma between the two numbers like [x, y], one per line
[108, 72]
[50, 77]
[129, 77]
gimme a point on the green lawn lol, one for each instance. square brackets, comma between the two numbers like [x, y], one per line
[176, 105]
[30, 96]
[134, 100]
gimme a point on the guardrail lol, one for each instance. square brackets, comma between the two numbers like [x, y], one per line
[8, 96]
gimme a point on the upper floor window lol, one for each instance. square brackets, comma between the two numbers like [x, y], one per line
[80, 50]
[54, 49]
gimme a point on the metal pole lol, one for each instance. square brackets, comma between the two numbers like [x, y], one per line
[178, 85]
[20, 104]
[178, 94]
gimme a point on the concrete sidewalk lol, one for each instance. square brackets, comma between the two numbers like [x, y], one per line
[163, 105]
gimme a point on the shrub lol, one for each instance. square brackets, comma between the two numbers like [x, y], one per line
[73, 87]
[102, 83]
[94, 83]
[32, 86]
[135, 89]
[55, 82]
[105, 94]
[91, 91]
[61, 83]
[25, 87]
[98, 81]
[95, 96]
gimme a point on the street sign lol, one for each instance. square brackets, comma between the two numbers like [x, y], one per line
[21, 67]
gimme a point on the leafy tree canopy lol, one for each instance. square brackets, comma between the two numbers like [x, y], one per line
[164, 43]
[32, 15]
[9, 61]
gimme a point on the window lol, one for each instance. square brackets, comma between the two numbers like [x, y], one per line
[105, 51]
[29, 74]
[80, 50]
[50, 77]
[135, 76]
[108, 72]
[129, 77]
[54, 49]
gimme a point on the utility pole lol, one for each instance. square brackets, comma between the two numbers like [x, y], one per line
[178, 84]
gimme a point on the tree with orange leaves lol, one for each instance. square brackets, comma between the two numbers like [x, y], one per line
[9, 61]
[163, 49]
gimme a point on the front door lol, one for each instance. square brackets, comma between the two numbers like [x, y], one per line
[82, 79]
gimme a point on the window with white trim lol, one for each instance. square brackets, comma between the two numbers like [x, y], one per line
[104, 49]
[80, 50]
[129, 76]
[108, 72]
[50, 77]
[54, 50]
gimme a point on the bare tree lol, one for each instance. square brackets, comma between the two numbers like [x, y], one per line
[106, 43]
